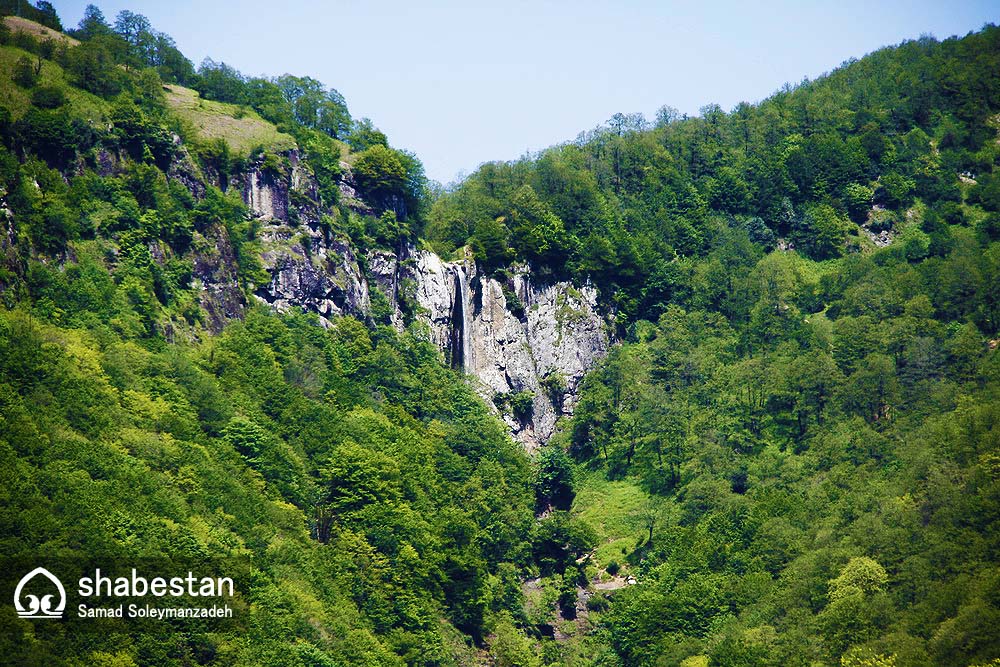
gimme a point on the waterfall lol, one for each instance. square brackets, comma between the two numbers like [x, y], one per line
[461, 330]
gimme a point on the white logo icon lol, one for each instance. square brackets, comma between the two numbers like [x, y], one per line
[39, 608]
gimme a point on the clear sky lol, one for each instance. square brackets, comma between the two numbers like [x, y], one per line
[464, 82]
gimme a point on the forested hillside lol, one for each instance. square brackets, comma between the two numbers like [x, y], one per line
[149, 409]
[790, 457]
[881, 148]
[807, 402]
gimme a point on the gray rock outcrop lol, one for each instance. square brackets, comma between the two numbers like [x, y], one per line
[526, 345]
[310, 267]
[312, 271]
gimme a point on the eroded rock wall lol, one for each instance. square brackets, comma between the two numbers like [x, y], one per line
[518, 340]
[543, 343]
[310, 267]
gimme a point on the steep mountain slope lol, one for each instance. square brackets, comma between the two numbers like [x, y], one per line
[318, 268]
[790, 459]
[526, 342]
[153, 411]
[761, 345]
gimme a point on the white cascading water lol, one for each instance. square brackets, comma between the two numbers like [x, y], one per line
[464, 302]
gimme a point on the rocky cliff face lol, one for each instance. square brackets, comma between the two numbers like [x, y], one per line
[310, 267]
[526, 345]
[312, 270]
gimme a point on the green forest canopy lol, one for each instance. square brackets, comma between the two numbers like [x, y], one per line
[803, 417]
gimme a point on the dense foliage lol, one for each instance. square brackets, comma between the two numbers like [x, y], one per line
[339, 461]
[385, 511]
[815, 431]
[790, 459]
[637, 208]
[807, 395]
[781, 457]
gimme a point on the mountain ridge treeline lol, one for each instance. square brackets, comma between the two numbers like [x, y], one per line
[627, 206]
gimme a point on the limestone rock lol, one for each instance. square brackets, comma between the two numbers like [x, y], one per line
[312, 270]
[512, 337]
[181, 169]
[551, 332]
[214, 272]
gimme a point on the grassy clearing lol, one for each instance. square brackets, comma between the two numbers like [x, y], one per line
[18, 24]
[17, 100]
[610, 507]
[241, 128]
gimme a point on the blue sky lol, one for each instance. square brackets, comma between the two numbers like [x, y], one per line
[461, 83]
